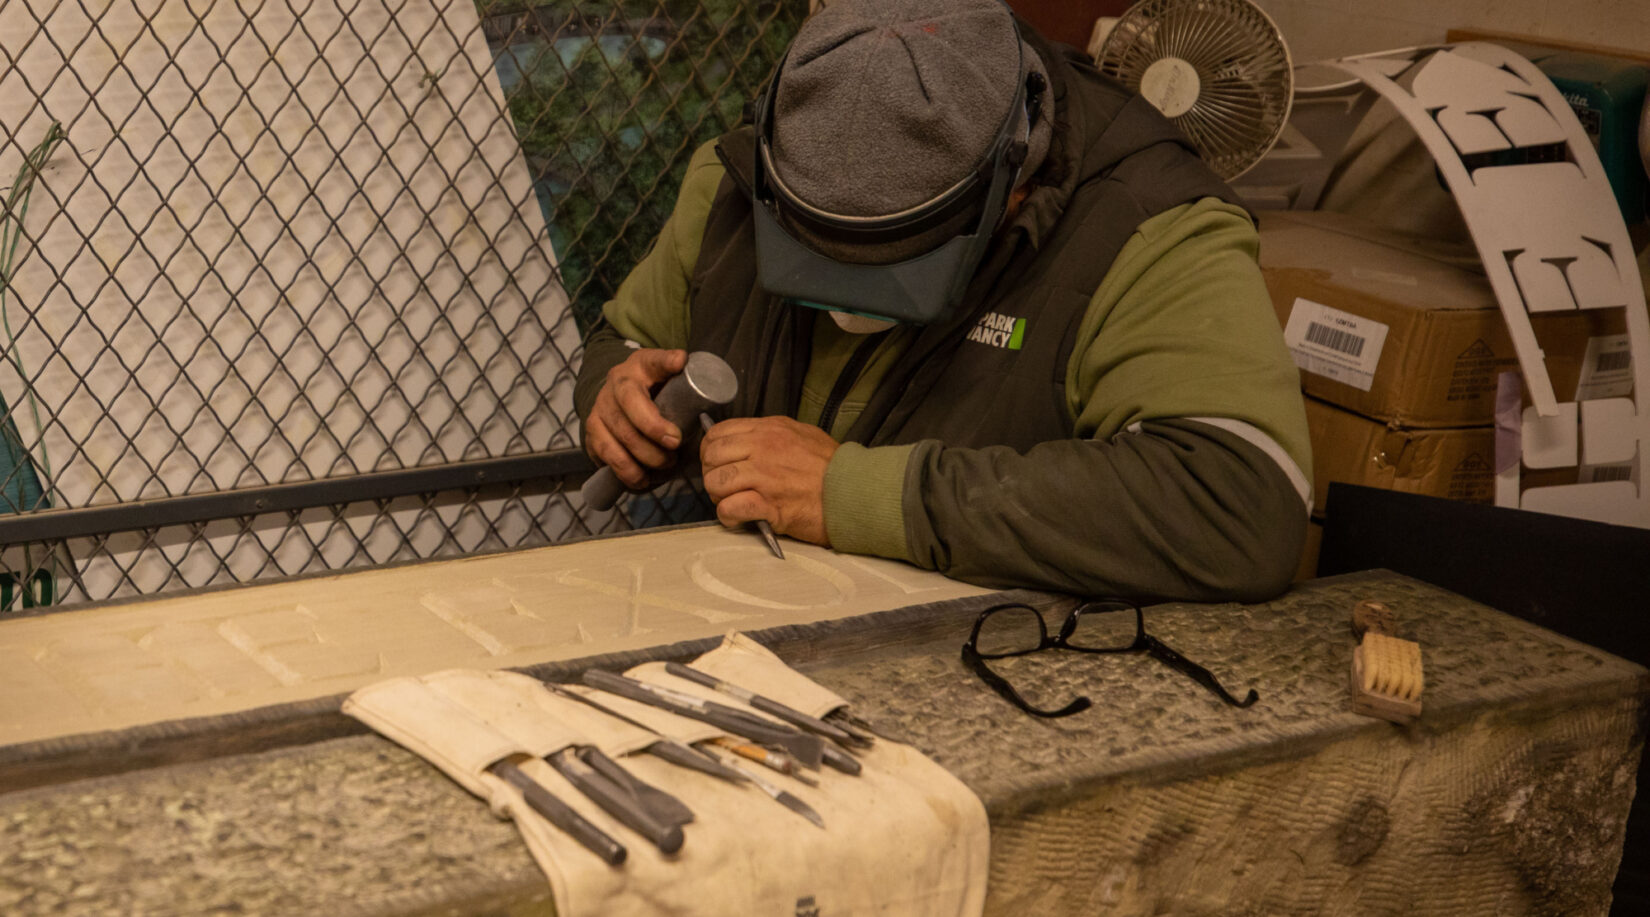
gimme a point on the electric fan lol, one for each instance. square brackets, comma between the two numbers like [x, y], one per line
[1217, 68]
[1644, 135]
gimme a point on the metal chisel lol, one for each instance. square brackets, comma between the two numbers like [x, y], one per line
[834, 756]
[664, 748]
[781, 796]
[436, 713]
[767, 705]
[660, 804]
[763, 527]
[558, 813]
[701, 760]
[616, 801]
[767, 757]
[808, 748]
[846, 721]
[685, 755]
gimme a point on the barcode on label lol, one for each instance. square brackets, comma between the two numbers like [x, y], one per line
[1339, 346]
[1613, 473]
[1614, 362]
[1345, 342]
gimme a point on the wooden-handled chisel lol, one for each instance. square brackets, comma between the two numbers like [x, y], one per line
[767, 757]
[787, 713]
[779, 795]
[833, 755]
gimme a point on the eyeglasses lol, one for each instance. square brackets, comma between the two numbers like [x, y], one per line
[1100, 626]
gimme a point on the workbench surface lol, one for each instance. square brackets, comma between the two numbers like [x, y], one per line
[1509, 795]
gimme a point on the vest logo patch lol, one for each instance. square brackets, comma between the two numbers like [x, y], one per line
[1002, 331]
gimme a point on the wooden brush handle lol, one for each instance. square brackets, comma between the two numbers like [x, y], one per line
[1370, 615]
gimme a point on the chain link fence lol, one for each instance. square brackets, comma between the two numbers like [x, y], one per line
[290, 286]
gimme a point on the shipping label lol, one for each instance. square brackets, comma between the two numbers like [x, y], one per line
[1620, 471]
[1606, 369]
[1334, 344]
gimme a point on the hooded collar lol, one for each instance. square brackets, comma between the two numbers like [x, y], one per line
[1087, 140]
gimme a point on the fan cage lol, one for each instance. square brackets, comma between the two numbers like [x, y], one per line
[1242, 64]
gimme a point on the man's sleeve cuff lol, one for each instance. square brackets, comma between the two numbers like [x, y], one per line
[865, 500]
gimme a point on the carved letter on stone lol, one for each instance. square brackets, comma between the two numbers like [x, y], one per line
[718, 570]
[493, 617]
[285, 644]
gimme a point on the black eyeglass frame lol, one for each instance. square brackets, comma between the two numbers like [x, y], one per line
[1142, 643]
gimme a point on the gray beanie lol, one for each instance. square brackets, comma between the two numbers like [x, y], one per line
[884, 104]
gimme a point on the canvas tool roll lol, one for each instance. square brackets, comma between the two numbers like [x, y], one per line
[903, 837]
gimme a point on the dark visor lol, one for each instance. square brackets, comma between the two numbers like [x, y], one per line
[919, 289]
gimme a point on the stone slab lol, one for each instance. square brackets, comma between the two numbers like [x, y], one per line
[160, 661]
[1508, 796]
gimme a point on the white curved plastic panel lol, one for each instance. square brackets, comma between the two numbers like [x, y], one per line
[1551, 239]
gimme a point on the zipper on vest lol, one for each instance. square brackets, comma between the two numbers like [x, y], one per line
[845, 380]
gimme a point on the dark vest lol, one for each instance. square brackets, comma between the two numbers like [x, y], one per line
[963, 381]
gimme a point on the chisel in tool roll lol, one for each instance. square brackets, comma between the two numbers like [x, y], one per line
[664, 748]
[667, 809]
[808, 749]
[767, 757]
[782, 797]
[833, 755]
[558, 813]
[862, 732]
[616, 801]
[772, 707]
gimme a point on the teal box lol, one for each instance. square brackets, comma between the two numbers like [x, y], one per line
[20, 489]
[1607, 94]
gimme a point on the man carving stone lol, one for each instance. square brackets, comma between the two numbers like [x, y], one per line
[990, 315]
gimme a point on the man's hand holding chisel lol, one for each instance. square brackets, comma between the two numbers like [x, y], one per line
[758, 470]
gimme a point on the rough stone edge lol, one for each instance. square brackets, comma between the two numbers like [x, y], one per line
[66, 758]
[1007, 822]
[1542, 698]
[1058, 784]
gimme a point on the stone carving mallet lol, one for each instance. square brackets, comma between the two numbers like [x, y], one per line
[707, 381]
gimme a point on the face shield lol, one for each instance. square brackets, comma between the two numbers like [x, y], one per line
[793, 237]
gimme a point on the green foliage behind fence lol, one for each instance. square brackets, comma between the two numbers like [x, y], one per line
[610, 99]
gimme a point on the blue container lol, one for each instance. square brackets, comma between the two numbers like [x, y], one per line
[1607, 94]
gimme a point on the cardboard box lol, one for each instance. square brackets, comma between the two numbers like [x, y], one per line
[1401, 329]
[1457, 463]
[1307, 568]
